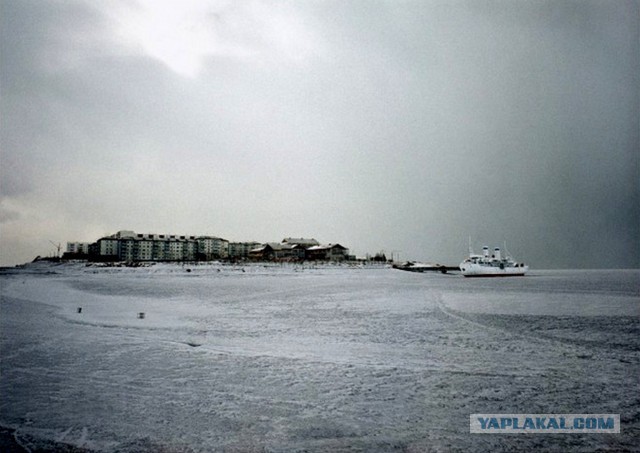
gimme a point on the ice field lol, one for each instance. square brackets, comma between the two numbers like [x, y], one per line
[293, 358]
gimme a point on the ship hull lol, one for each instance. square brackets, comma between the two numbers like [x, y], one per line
[521, 274]
[475, 270]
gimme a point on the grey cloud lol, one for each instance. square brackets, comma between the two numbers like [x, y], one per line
[412, 127]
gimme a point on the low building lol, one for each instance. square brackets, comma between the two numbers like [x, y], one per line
[278, 252]
[329, 252]
[263, 253]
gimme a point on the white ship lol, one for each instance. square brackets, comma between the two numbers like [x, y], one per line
[495, 265]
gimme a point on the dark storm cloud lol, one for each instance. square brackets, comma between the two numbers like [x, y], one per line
[407, 126]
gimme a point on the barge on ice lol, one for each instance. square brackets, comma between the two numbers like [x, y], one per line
[415, 266]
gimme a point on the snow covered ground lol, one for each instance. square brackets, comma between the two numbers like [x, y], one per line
[292, 358]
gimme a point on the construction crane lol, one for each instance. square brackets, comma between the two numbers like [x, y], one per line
[57, 246]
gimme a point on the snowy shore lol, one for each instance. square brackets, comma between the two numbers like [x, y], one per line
[311, 358]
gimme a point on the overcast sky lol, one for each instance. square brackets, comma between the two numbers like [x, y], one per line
[403, 126]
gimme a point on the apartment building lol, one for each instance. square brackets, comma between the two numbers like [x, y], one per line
[240, 250]
[130, 246]
[78, 248]
[212, 247]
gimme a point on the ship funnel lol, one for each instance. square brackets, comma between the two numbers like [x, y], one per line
[496, 253]
[485, 251]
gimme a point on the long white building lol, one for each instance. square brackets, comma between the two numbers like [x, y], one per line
[130, 246]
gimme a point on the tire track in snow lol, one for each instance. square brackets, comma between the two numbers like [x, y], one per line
[541, 339]
[581, 348]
